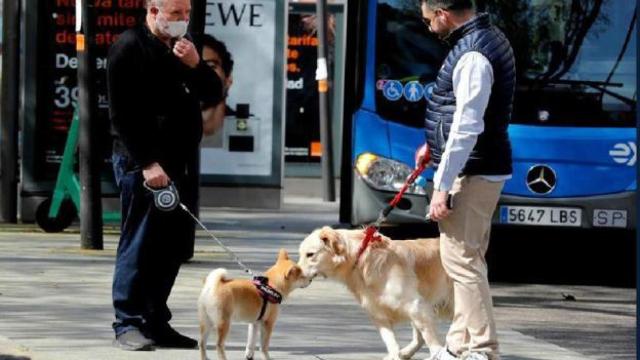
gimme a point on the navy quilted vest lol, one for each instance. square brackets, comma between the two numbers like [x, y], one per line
[492, 152]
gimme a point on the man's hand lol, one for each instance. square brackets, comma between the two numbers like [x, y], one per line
[186, 52]
[155, 177]
[438, 209]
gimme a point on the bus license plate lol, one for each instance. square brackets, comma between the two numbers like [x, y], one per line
[544, 216]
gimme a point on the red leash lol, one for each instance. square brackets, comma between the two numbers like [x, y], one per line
[370, 232]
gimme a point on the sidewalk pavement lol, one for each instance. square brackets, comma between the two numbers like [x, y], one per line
[55, 300]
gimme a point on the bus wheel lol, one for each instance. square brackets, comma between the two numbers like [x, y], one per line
[63, 219]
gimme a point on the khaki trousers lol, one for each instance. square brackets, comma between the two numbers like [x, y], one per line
[464, 239]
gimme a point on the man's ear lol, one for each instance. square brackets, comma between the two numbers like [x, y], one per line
[283, 255]
[331, 238]
[228, 82]
[293, 271]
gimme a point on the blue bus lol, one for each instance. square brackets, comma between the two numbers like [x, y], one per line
[573, 130]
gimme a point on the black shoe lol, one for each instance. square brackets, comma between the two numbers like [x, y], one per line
[133, 340]
[167, 337]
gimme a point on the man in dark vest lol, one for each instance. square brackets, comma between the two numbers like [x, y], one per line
[466, 128]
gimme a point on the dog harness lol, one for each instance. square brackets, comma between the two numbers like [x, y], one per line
[268, 293]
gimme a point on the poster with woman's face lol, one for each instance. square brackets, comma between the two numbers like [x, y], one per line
[243, 145]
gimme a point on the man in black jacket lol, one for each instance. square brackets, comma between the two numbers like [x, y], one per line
[157, 83]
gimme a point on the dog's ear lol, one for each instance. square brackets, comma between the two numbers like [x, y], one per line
[331, 238]
[294, 271]
[283, 255]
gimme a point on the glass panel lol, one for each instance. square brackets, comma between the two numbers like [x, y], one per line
[576, 60]
[407, 61]
[302, 131]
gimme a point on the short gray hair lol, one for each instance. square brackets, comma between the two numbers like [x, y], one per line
[454, 5]
[158, 3]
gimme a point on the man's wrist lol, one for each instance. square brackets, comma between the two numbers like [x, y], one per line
[201, 64]
[441, 187]
[150, 165]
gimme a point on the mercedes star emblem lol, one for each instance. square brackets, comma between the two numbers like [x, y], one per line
[541, 179]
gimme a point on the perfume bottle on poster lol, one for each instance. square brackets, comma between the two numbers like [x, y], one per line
[242, 130]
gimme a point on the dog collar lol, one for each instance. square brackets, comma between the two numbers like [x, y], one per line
[268, 293]
[370, 235]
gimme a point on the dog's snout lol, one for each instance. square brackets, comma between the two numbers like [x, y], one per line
[309, 273]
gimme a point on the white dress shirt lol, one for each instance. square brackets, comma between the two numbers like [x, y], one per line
[472, 82]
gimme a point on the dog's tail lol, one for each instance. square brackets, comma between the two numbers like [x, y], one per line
[211, 282]
[444, 310]
[214, 278]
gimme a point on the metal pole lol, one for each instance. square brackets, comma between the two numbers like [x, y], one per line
[88, 141]
[356, 23]
[10, 106]
[197, 19]
[322, 75]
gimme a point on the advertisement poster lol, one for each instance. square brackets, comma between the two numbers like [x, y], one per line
[57, 67]
[244, 145]
[302, 137]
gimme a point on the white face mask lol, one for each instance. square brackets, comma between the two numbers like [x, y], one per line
[177, 29]
[173, 29]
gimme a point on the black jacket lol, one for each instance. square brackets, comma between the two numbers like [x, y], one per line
[155, 101]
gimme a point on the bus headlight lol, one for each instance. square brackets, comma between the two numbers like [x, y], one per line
[386, 174]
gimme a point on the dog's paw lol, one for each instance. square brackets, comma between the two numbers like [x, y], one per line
[408, 351]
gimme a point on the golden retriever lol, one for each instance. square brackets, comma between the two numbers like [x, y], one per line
[394, 281]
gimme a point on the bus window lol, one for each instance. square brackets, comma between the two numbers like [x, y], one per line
[408, 58]
[576, 65]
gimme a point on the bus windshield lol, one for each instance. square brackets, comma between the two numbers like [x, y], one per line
[408, 58]
[575, 60]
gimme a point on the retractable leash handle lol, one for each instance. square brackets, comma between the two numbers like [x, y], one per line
[166, 198]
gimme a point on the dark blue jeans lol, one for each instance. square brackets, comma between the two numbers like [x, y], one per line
[149, 254]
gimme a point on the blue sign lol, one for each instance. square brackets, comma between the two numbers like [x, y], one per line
[392, 90]
[413, 91]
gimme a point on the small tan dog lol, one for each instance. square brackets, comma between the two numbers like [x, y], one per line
[394, 281]
[224, 300]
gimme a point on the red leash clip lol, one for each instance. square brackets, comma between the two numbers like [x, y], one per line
[369, 236]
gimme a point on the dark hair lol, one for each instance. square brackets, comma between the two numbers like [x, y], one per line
[453, 5]
[221, 49]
